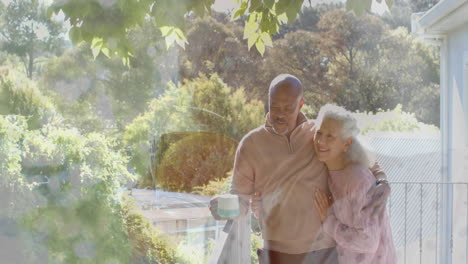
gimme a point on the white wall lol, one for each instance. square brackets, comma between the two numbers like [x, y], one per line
[457, 102]
[457, 42]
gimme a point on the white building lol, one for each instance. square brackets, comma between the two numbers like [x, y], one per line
[446, 25]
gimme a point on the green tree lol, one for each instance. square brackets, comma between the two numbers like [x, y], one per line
[401, 10]
[59, 188]
[21, 96]
[132, 88]
[105, 24]
[202, 104]
[219, 47]
[371, 66]
[104, 88]
[70, 81]
[346, 36]
[399, 15]
[170, 112]
[392, 120]
[412, 69]
[299, 53]
[28, 33]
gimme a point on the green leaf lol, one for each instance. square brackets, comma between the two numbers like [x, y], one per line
[240, 11]
[269, 23]
[358, 6]
[269, 3]
[173, 34]
[97, 42]
[75, 35]
[199, 8]
[266, 38]
[252, 40]
[50, 11]
[166, 30]
[260, 46]
[282, 19]
[389, 3]
[282, 6]
[126, 61]
[293, 10]
[250, 27]
[181, 40]
[255, 5]
[96, 51]
[106, 51]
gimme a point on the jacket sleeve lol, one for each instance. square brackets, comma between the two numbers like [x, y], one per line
[358, 232]
[243, 175]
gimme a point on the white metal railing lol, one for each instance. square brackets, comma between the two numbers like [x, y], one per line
[430, 221]
[429, 225]
[233, 243]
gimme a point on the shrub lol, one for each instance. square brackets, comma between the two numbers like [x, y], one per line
[20, 96]
[194, 160]
[59, 188]
[215, 187]
[148, 244]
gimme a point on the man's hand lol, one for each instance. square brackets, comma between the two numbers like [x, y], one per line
[256, 205]
[379, 195]
[214, 209]
[376, 170]
[322, 202]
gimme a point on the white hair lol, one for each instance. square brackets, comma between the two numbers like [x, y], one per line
[357, 152]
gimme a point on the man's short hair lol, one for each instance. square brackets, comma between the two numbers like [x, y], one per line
[285, 78]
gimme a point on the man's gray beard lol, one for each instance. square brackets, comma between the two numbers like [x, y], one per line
[280, 133]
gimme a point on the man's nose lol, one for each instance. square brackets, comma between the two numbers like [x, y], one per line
[282, 113]
[278, 115]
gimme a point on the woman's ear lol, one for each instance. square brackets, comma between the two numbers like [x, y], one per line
[348, 143]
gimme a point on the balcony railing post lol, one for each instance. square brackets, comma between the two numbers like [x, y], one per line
[406, 213]
[437, 225]
[420, 222]
[233, 243]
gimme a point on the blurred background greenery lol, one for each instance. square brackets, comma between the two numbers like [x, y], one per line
[76, 128]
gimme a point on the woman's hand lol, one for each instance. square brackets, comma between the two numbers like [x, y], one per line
[322, 201]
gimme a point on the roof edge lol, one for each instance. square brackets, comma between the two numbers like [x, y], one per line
[423, 21]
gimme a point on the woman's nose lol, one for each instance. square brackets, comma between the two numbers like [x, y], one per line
[319, 140]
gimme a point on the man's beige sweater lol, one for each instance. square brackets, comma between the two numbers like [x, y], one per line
[287, 173]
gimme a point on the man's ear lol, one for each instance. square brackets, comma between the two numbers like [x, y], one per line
[301, 103]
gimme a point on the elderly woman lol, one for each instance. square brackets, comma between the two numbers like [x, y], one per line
[360, 238]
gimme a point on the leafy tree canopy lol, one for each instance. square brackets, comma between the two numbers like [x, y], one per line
[105, 24]
[27, 32]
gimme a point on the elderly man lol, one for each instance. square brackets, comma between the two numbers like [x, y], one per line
[277, 170]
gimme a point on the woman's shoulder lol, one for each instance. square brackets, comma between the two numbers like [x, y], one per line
[360, 175]
[357, 168]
